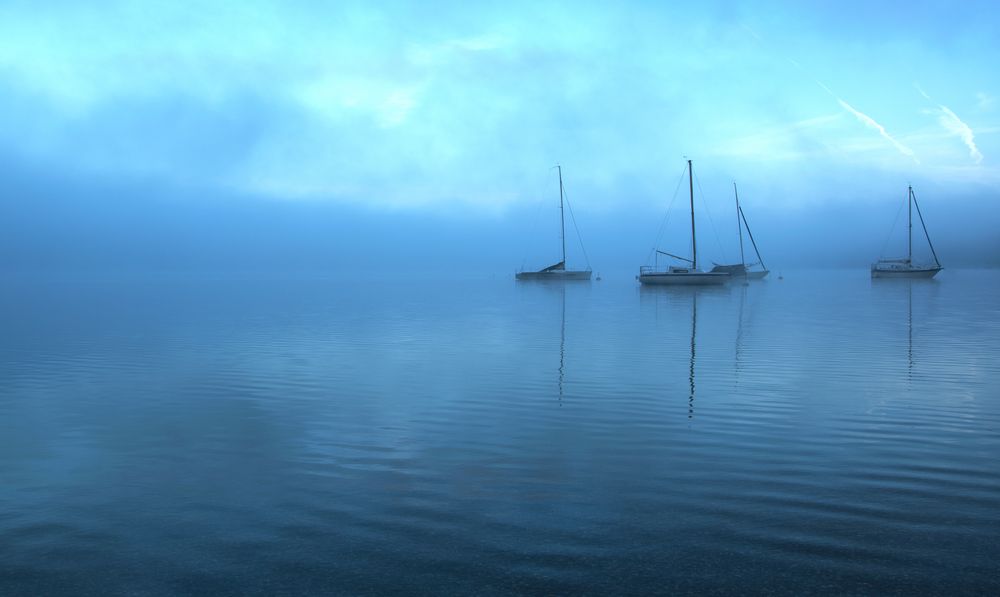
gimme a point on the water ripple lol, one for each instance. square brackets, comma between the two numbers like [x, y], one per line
[825, 433]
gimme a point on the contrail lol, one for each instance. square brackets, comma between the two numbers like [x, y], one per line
[864, 118]
[861, 116]
[954, 125]
[870, 123]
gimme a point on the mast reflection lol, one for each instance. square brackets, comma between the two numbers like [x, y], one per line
[739, 331]
[674, 301]
[694, 329]
[562, 345]
[909, 331]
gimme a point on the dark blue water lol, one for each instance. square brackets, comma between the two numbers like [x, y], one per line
[222, 435]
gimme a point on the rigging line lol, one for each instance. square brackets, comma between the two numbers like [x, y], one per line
[666, 216]
[704, 207]
[881, 253]
[746, 224]
[926, 234]
[572, 218]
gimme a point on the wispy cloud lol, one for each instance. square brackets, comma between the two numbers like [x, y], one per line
[953, 123]
[955, 126]
[872, 124]
[865, 119]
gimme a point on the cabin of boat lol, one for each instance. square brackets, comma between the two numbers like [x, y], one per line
[903, 268]
[555, 272]
[681, 276]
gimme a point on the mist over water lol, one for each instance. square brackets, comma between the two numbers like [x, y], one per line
[259, 332]
[69, 224]
[249, 434]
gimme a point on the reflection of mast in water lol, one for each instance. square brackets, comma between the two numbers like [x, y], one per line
[909, 330]
[739, 329]
[694, 323]
[562, 345]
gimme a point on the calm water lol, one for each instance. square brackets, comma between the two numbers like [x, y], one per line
[824, 433]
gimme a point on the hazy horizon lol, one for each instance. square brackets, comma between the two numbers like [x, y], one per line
[268, 136]
[262, 333]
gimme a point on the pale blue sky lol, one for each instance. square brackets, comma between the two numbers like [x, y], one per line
[462, 108]
[430, 103]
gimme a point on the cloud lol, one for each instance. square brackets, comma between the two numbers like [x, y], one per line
[956, 127]
[387, 106]
[870, 123]
[864, 118]
[950, 121]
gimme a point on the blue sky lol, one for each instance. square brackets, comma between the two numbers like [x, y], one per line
[460, 108]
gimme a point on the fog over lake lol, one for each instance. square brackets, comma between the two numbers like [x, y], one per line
[260, 331]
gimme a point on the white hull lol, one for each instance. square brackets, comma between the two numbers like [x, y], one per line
[555, 275]
[684, 279]
[758, 275]
[911, 273]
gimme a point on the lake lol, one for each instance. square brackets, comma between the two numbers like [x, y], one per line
[226, 434]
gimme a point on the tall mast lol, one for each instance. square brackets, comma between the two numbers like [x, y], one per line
[562, 217]
[739, 224]
[694, 244]
[909, 225]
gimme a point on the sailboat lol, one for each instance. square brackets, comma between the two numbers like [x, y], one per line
[743, 268]
[557, 271]
[905, 268]
[676, 276]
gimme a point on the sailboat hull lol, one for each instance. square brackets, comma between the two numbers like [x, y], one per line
[683, 279]
[906, 272]
[739, 270]
[555, 275]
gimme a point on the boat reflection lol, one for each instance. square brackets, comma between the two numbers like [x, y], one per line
[562, 343]
[677, 300]
[918, 296]
[556, 293]
[738, 344]
[694, 329]
[909, 331]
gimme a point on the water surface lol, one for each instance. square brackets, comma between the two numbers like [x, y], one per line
[238, 435]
